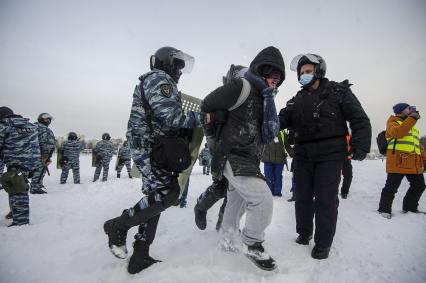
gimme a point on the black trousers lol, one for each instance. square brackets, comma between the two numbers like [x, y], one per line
[319, 180]
[412, 197]
[347, 177]
[216, 191]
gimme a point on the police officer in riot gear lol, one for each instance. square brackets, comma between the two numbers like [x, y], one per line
[318, 116]
[156, 112]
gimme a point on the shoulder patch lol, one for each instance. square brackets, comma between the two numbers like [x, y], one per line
[166, 90]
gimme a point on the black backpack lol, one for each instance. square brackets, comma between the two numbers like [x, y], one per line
[382, 143]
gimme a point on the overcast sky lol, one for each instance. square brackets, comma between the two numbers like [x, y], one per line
[80, 60]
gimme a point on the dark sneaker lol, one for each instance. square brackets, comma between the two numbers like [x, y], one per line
[303, 240]
[257, 254]
[320, 253]
[116, 237]
[200, 218]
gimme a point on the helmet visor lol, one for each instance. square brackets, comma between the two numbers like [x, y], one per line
[295, 62]
[183, 61]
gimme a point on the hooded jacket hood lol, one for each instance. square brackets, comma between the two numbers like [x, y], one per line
[269, 56]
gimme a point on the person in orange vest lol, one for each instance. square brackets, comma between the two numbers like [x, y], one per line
[346, 172]
[404, 158]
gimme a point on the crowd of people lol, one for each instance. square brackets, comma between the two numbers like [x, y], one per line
[323, 127]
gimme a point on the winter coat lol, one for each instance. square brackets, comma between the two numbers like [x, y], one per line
[275, 152]
[124, 152]
[205, 155]
[318, 119]
[46, 139]
[399, 161]
[71, 149]
[104, 149]
[240, 139]
[19, 145]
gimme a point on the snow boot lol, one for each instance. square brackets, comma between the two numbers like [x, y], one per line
[256, 253]
[200, 218]
[38, 191]
[385, 215]
[140, 258]
[116, 231]
[303, 240]
[320, 253]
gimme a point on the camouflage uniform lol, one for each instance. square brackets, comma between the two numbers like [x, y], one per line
[71, 149]
[206, 158]
[124, 157]
[160, 187]
[47, 145]
[103, 150]
[20, 149]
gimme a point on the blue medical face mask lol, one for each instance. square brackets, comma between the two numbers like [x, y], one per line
[306, 79]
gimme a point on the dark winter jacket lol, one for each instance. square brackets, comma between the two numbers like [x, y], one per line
[240, 140]
[275, 152]
[318, 119]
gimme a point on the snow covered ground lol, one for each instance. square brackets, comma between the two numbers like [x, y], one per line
[65, 241]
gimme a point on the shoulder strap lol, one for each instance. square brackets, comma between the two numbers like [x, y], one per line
[146, 107]
[245, 91]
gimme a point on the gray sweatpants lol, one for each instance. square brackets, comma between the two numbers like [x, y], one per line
[252, 196]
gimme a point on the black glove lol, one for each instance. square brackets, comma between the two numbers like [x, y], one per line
[358, 154]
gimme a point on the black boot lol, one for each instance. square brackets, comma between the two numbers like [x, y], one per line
[293, 198]
[200, 218]
[140, 258]
[303, 240]
[130, 176]
[118, 175]
[116, 231]
[320, 253]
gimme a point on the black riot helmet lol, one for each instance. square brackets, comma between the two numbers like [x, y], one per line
[314, 59]
[106, 137]
[72, 136]
[45, 119]
[5, 112]
[234, 72]
[172, 61]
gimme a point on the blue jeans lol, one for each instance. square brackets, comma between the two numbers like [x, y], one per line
[274, 177]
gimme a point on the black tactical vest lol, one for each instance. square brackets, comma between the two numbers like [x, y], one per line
[317, 115]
